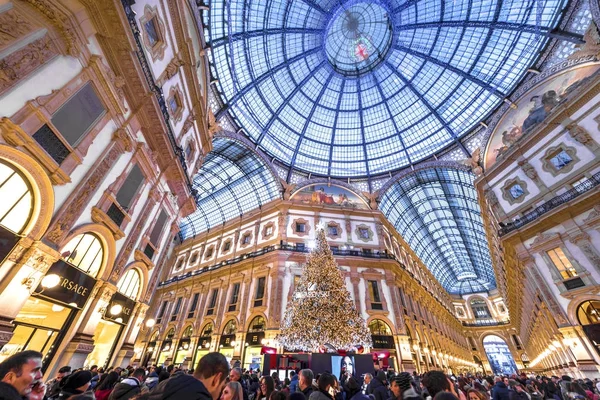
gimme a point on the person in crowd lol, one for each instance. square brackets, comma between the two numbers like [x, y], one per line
[445, 395]
[20, 374]
[474, 394]
[326, 384]
[297, 396]
[129, 387]
[534, 392]
[353, 390]
[435, 382]
[378, 386]
[106, 385]
[402, 388]
[366, 381]
[78, 383]
[236, 376]
[151, 379]
[305, 382]
[95, 377]
[293, 382]
[278, 395]
[54, 384]
[267, 386]
[518, 392]
[500, 390]
[208, 381]
[233, 390]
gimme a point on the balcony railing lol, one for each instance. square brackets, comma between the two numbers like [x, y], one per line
[551, 204]
[486, 322]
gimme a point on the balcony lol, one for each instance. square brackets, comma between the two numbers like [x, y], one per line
[550, 205]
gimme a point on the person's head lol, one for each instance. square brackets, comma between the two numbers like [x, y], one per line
[473, 394]
[506, 380]
[22, 371]
[368, 378]
[212, 371]
[326, 383]
[445, 396]
[235, 375]
[78, 382]
[278, 395]
[400, 383]
[63, 372]
[435, 382]
[347, 365]
[232, 391]
[139, 374]
[306, 378]
[108, 381]
[267, 385]
[94, 368]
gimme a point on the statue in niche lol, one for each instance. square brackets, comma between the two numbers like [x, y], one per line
[474, 162]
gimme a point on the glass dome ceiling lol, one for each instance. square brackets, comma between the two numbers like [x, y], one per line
[352, 88]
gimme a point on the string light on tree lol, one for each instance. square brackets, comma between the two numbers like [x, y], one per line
[322, 313]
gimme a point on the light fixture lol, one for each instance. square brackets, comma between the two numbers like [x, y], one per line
[57, 308]
[119, 320]
[415, 347]
[233, 343]
[50, 281]
[207, 345]
[150, 323]
[116, 309]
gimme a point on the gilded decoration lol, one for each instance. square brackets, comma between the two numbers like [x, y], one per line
[562, 166]
[153, 33]
[13, 27]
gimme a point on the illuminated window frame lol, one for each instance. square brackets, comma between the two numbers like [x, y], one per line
[130, 283]
[12, 205]
[85, 252]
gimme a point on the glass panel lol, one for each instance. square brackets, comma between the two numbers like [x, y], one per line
[562, 263]
[561, 160]
[130, 187]
[78, 115]
[516, 191]
[105, 335]
[84, 252]
[48, 140]
[129, 284]
[153, 37]
[16, 206]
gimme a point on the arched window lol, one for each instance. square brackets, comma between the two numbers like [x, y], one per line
[480, 309]
[257, 324]
[129, 284]
[154, 337]
[588, 312]
[84, 252]
[379, 328]
[187, 333]
[16, 207]
[170, 334]
[230, 328]
[499, 355]
[208, 330]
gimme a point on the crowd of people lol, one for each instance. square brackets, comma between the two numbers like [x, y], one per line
[213, 379]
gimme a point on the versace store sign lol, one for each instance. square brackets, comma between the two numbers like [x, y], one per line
[120, 308]
[66, 284]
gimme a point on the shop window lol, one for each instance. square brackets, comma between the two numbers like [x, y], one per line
[161, 312]
[260, 292]
[208, 330]
[235, 294]
[177, 309]
[194, 305]
[562, 263]
[227, 246]
[376, 303]
[257, 324]
[230, 328]
[588, 313]
[16, 207]
[84, 252]
[213, 302]
[129, 284]
[379, 328]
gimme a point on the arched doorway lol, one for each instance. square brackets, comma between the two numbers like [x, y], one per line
[227, 341]
[588, 315]
[183, 346]
[48, 314]
[254, 341]
[166, 347]
[499, 356]
[383, 344]
[150, 349]
[203, 345]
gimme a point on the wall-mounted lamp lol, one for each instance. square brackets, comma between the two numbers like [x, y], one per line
[150, 323]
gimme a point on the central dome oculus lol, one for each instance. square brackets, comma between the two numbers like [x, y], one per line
[358, 37]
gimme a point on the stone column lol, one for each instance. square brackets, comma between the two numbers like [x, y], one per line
[582, 240]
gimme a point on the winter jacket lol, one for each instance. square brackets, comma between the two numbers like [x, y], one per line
[359, 396]
[65, 394]
[308, 391]
[128, 388]
[500, 392]
[151, 380]
[294, 382]
[180, 387]
[379, 390]
[319, 395]
[410, 394]
[8, 392]
[516, 395]
[103, 394]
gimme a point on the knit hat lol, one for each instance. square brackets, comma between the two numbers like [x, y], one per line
[403, 380]
[77, 380]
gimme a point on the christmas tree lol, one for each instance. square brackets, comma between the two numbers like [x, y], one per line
[321, 312]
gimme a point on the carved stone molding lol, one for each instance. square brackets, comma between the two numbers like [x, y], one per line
[333, 224]
[306, 226]
[506, 191]
[122, 137]
[155, 48]
[60, 22]
[364, 233]
[100, 217]
[581, 135]
[532, 174]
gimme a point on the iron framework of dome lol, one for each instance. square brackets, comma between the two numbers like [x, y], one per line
[354, 88]
[232, 181]
[436, 211]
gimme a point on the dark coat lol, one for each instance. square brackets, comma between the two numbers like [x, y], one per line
[308, 391]
[125, 390]
[359, 396]
[379, 390]
[514, 395]
[8, 392]
[500, 392]
[179, 387]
